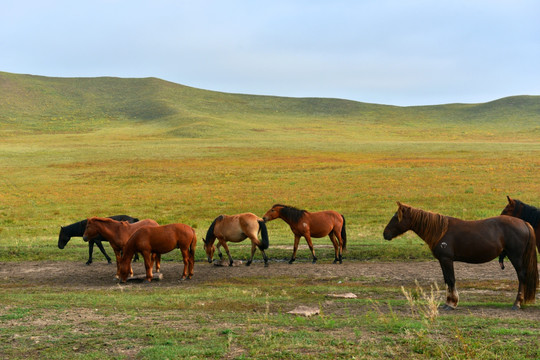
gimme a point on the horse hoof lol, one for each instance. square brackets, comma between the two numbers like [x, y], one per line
[516, 307]
[248, 263]
[265, 264]
[291, 261]
[88, 262]
[314, 261]
[447, 307]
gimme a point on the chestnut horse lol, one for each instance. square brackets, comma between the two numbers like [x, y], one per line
[116, 233]
[476, 242]
[312, 224]
[525, 212]
[236, 228]
[159, 240]
[77, 229]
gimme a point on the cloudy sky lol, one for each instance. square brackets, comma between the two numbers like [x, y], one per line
[396, 52]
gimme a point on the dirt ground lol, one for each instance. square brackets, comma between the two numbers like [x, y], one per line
[73, 276]
[100, 274]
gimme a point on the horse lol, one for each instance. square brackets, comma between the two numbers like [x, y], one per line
[525, 212]
[117, 233]
[476, 242]
[236, 228]
[312, 224]
[160, 240]
[77, 229]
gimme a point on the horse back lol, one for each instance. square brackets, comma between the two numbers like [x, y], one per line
[235, 228]
[480, 241]
[321, 223]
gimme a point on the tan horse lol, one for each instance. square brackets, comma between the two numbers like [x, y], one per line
[160, 240]
[117, 233]
[312, 224]
[236, 228]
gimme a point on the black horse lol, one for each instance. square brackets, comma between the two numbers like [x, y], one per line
[77, 229]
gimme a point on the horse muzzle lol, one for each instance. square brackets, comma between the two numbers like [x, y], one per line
[85, 238]
[387, 236]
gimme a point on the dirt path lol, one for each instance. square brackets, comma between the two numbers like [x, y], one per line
[73, 276]
[99, 274]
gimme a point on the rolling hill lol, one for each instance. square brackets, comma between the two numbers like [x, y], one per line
[45, 104]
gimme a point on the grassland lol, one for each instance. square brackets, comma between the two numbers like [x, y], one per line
[74, 148]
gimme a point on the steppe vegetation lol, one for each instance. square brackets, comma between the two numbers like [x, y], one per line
[75, 148]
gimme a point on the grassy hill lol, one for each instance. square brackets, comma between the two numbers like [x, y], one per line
[73, 148]
[44, 104]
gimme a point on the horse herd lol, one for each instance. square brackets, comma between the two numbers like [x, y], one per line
[513, 234]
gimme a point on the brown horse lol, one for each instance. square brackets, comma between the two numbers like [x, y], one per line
[116, 233]
[476, 242]
[160, 240]
[236, 228]
[525, 212]
[312, 224]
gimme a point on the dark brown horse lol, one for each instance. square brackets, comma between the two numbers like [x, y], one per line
[312, 224]
[236, 228]
[160, 240]
[476, 242]
[525, 212]
[116, 233]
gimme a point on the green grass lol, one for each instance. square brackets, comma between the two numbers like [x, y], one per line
[75, 148]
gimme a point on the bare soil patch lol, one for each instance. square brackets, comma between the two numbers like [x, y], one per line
[472, 279]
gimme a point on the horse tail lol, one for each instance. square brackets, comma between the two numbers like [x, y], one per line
[193, 245]
[530, 263]
[344, 234]
[210, 233]
[264, 235]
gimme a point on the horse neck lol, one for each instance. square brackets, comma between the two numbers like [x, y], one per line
[530, 214]
[429, 226]
[108, 230]
[289, 220]
[75, 229]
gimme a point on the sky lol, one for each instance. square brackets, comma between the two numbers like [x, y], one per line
[395, 52]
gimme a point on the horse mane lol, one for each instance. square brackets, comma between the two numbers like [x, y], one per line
[210, 233]
[528, 213]
[428, 225]
[291, 213]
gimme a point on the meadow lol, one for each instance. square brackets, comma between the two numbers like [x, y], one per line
[75, 148]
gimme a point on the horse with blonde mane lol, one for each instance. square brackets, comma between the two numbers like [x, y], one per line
[451, 239]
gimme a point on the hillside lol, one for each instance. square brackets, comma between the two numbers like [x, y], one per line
[45, 104]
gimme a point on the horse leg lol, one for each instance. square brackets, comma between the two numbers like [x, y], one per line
[157, 260]
[253, 247]
[185, 257]
[296, 241]
[90, 251]
[452, 297]
[118, 255]
[520, 270]
[336, 248]
[102, 249]
[310, 244]
[265, 258]
[148, 265]
[218, 248]
[226, 247]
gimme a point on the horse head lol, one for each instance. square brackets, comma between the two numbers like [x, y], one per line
[209, 248]
[510, 208]
[273, 213]
[63, 238]
[91, 230]
[399, 223]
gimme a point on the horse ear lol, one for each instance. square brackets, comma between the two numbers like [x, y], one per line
[509, 199]
[399, 204]
[400, 211]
